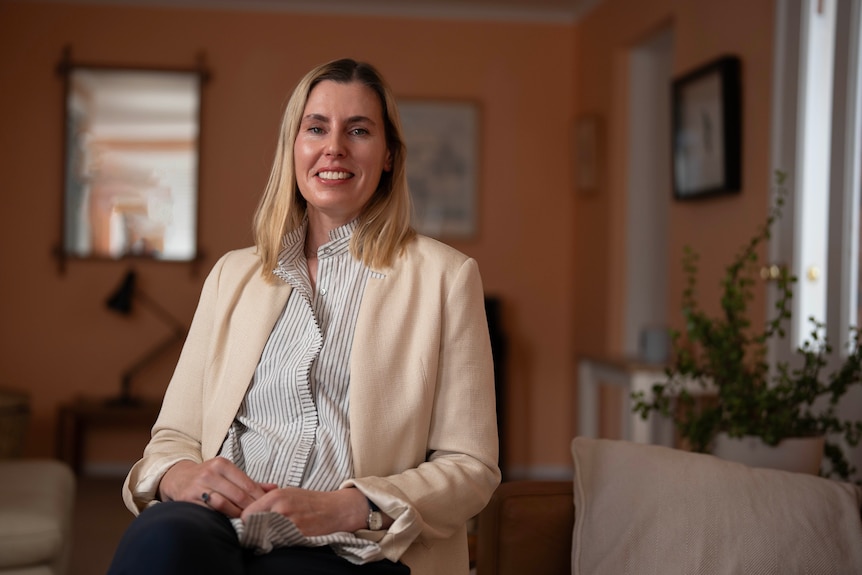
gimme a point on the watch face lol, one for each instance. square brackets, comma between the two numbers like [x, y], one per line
[375, 521]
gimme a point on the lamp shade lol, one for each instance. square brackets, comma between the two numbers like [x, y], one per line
[121, 300]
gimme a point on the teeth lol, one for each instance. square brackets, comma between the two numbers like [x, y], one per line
[334, 175]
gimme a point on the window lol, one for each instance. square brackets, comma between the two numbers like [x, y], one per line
[816, 133]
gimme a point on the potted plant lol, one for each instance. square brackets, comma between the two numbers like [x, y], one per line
[748, 396]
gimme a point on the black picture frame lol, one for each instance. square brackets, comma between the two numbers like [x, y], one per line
[707, 130]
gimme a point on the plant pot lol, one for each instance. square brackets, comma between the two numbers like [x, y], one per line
[798, 454]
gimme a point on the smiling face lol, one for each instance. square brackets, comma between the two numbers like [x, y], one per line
[340, 151]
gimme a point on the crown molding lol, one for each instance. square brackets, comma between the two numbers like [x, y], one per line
[561, 12]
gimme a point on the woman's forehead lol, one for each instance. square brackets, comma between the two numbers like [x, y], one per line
[343, 99]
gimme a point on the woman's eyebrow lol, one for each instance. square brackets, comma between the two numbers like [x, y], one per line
[315, 117]
[350, 120]
[357, 119]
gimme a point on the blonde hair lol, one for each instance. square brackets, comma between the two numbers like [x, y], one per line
[383, 227]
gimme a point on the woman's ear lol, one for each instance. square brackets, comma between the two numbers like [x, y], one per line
[387, 164]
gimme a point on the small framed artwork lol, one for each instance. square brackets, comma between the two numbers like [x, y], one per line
[587, 149]
[442, 165]
[707, 130]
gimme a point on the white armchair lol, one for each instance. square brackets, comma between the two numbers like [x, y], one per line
[36, 500]
[36, 503]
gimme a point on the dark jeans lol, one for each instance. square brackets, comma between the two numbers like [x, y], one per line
[179, 538]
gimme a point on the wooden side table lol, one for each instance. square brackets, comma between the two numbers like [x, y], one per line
[76, 418]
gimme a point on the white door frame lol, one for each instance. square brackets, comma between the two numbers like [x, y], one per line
[648, 187]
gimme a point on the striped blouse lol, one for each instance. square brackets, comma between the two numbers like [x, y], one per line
[292, 428]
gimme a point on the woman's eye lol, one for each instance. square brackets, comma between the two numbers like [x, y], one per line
[315, 130]
[359, 132]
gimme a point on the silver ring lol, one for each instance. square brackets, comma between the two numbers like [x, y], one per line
[205, 497]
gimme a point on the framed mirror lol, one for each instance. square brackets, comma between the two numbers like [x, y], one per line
[132, 158]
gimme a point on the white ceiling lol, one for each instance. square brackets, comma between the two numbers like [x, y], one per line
[549, 11]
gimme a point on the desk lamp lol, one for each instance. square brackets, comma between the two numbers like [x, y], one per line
[121, 301]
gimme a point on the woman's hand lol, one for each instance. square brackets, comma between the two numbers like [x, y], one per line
[316, 512]
[228, 489]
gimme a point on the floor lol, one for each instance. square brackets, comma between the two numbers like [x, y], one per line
[99, 521]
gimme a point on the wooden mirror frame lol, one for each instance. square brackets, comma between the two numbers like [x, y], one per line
[131, 161]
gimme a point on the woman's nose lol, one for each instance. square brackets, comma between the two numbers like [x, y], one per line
[335, 144]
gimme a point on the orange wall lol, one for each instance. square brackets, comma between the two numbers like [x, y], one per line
[716, 227]
[554, 257]
[58, 340]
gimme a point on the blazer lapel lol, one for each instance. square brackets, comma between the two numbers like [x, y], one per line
[371, 332]
[257, 310]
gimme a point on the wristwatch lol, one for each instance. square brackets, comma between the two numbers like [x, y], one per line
[375, 517]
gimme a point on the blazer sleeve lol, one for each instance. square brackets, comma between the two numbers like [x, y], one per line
[459, 471]
[177, 432]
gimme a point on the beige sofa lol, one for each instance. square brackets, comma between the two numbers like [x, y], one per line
[36, 499]
[36, 504]
[634, 509]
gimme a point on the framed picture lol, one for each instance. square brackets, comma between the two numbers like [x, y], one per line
[707, 130]
[587, 150]
[442, 165]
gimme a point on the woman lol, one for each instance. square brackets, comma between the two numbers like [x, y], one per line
[333, 407]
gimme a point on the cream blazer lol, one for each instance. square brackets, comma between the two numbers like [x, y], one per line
[422, 417]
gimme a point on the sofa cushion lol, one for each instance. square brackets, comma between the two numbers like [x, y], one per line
[36, 501]
[652, 509]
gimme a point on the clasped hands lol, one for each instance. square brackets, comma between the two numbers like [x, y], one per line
[232, 492]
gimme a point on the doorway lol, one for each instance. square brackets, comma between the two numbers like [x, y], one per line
[648, 191]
